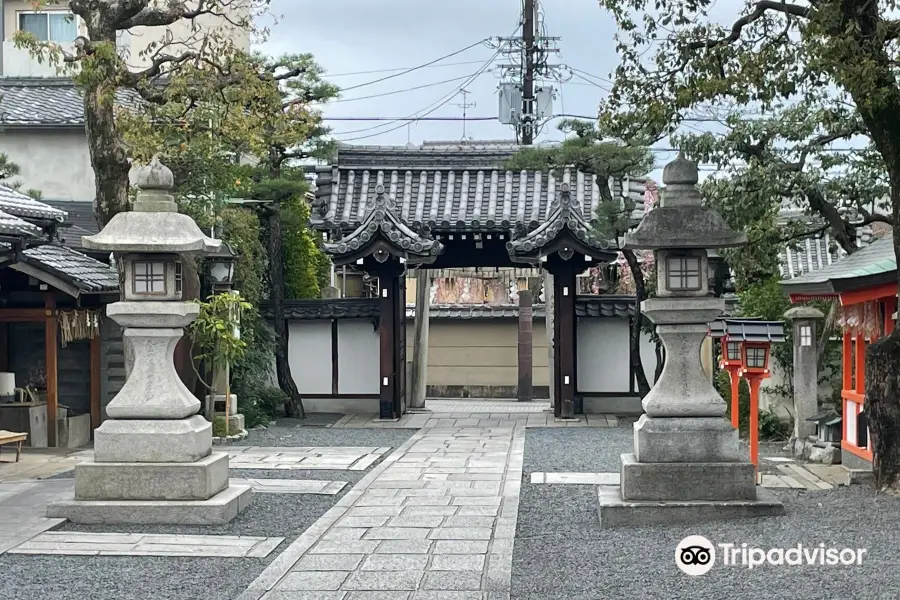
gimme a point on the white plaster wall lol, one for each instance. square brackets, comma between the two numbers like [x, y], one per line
[358, 351]
[603, 356]
[309, 354]
[56, 162]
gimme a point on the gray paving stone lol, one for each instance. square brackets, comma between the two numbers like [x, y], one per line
[469, 521]
[298, 595]
[374, 511]
[404, 547]
[476, 501]
[452, 580]
[377, 521]
[379, 596]
[457, 562]
[443, 511]
[345, 546]
[478, 511]
[395, 562]
[344, 533]
[461, 547]
[416, 521]
[447, 595]
[461, 533]
[426, 500]
[384, 580]
[397, 533]
[329, 562]
[313, 581]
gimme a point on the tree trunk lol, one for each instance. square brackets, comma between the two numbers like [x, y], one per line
[660, 358]
[109, 159]
[634, 338]
[883, 408]
[294, 405]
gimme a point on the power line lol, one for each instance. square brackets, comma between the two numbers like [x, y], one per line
[410, 70]
[375, 71]
[442, 102]
[431, 108]
[411, 89]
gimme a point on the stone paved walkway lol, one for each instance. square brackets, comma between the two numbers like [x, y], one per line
[23, 509]
[435, 521]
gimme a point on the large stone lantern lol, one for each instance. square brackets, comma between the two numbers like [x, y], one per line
[153, 459]
[687, 463]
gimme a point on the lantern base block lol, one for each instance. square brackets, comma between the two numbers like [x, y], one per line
[687, 481]
[615, 512]
[686, 440]
[153, 441]
[218, 510]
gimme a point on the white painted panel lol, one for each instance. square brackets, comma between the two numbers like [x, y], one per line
[850, 419]
[358, 353]
[603, 355]
[309, 354]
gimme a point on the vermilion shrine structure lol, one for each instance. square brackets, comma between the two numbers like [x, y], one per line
[388, 209]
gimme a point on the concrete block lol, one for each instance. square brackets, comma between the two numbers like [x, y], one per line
[613, 511]
[220, 509]
[73, 432]
[152, 481]
[153, 441]
[687, 481]
[678, 440]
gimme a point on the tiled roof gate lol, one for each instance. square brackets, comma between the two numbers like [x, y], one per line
[450, 189]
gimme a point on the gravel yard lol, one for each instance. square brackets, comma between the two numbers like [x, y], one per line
[560, 551]
[25, 577]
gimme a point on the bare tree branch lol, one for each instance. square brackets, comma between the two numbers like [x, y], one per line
[761, 8]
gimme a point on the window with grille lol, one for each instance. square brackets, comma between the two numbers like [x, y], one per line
[683, 273]
[756, 358]
[805, 335]
[179, 277]
[149, 277]
[734, 351]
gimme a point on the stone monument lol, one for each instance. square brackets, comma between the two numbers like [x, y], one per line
[687, 465]
[806, 386]
[153, 459]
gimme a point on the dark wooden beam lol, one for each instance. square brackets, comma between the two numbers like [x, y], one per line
[388, 289]
[335, 359]
[96, 381]
[51, 360]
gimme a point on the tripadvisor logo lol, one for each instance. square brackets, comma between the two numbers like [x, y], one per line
[696, 555]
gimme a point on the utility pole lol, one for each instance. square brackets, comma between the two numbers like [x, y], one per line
[528, 112]
[464, 106]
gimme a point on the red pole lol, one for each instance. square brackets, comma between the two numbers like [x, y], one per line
[735, 378]
[754, 382]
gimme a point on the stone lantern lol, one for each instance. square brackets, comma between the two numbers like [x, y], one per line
[687, 463]
[153, 433]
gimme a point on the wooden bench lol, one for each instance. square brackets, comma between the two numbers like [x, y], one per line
[10, 437]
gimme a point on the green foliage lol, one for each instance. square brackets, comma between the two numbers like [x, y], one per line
[261, 406]
[301, 255]
[9, 169]
[215, 336]
[219, 427]
[769, 424]
[240, 228]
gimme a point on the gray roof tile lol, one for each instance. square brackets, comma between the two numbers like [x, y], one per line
[20, 205]
[84, 272]
[45, 101]
[462, 187]
[79, 222]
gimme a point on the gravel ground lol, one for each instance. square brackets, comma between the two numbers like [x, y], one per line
[561, 552]
[158, 578]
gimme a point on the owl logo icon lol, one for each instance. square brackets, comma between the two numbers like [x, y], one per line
[695, 555]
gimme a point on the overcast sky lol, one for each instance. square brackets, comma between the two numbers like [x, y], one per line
[349, 36]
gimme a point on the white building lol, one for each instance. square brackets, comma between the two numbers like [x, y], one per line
[41, 113]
